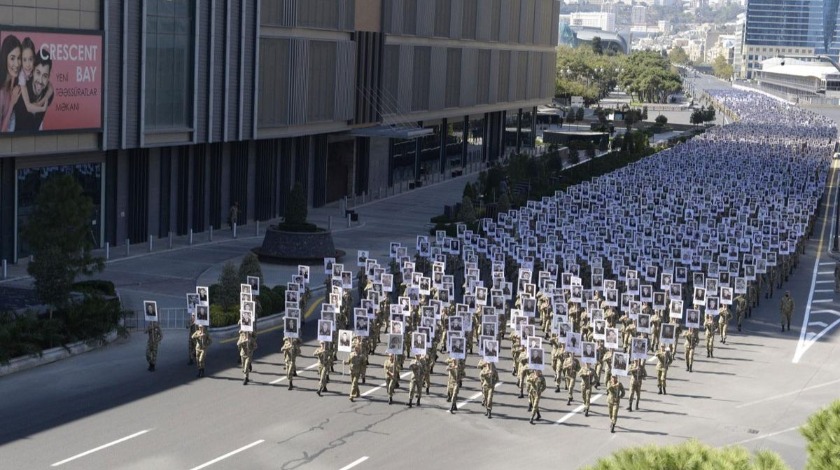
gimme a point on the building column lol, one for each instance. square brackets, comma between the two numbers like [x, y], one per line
[518, 130]
[465, 144]
[442, 144]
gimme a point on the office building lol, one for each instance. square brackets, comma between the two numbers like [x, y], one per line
[170, 111]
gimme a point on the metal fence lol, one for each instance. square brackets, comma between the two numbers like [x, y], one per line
[169, 319]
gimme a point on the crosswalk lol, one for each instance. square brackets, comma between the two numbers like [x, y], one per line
[822, 314]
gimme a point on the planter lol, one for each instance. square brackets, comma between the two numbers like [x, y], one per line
[280, 246]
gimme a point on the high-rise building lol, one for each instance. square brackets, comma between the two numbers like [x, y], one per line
[638, 15]
[790, 28]
[170, 111]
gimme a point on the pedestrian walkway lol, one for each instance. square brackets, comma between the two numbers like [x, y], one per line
[164, 270]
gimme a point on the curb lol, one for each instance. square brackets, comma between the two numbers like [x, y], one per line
[49, 356]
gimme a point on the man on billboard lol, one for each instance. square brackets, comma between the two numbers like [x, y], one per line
[38, 88]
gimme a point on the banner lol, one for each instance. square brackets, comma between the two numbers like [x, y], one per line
[56, 81]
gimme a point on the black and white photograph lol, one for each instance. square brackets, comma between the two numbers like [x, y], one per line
[638, 349]
[203, 295]
[192, 303]
[619, 364]
[457, 347]
[291, 327]
[611, 341]
[643, 323]
[254, 282]
[325, 328]
[573, 343]
[202, 315]
[659, 301]
[587, 354]
[418, 343]
[726, 296]
[150, 310]
[676, 309]
[361, 325]
[345, 341]
[535, 358]
[397, 328]
[328, 266]
[246, 320]
[245, 288]
[491, 350]
[699, 296]
[362, 257]
[395, 344]
[303, 271]
[599, 330]
[667, 333]
[692, 318]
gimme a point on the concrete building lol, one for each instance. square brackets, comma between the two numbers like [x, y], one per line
[800, 80]
[788, 28]
[170, 111]
[638, 15]
[598, 20]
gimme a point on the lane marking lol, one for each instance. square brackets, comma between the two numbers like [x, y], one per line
[464, 403]
[822, 301]
[101, 447]
[823, 281]
[765, 436]
[826, 272]
[818, 323]
[824, 290]
[577, 410]
[833, 312]
[776, 397]
[402, 376]
[219, 459]
[354, 463]
[827, 263]
[299, 370]
[802, 346]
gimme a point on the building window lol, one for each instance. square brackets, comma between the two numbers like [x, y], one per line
[169, 64]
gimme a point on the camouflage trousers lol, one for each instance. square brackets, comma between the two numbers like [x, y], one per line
[151, 353]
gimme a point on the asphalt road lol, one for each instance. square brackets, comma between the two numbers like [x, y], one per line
[103, 410]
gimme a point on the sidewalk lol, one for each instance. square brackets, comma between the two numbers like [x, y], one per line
[169, 268]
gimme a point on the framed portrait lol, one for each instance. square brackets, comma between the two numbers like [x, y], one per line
[535, 358]
[588, 353]
[345, 341]
[203, 295]
[291, 327]
[254, 282]
[457, 347]
[325, 329]
[361, 257]
[667, 333]
[676, 309]
[611, 340]
[192, 303]
[491, 350]
[638, 349]
[328, 266]
[418, 343]
[619, 364]
[246, 320]
[150, 310]
[202, 315]
[692, 318]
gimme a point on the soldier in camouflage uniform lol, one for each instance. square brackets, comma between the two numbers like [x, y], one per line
[557, 352]
[247, 344]
[290, 350]
[536, 386]
[356, 361]
[786, 310]
[740, 309]
[691, 340]
[453, 385]
[636, 373]
[709, 326]
[663, 359]
[571, 366]
[489, 379]
[615, 392]
[192, 328]
[155, 337]
[723, 322]
[392, 374]
[324, 357]
[587, 378]
[202, 343]
[416, 381]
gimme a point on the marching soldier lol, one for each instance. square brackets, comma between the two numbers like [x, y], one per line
[605, 364]
[786, 310]
[571, 366]
[290, 350]
[723, 322]
[192, 327]
[155, 337]
[615, 392]
[324, 364]
[557, 360]
[392, 374]
[663, 359]
[453, 386]
[636, 373]
[489, 379]
[247, 343]
[691, 340]
[416, 368]
[536, 386]
[709, 326]
[356, 360]
[587, 379]
[741, 309]
[202, 343]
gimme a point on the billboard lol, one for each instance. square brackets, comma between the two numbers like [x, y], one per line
[50, 81]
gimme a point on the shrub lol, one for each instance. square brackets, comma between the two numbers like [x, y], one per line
[689, 454]
[250, 266]
[220, 317]
[822, 431]
[296, 206]
[661, 120]
[467, 213]
[95, 286]
[229, 287]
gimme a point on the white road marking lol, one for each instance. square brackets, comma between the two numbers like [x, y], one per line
[765, 436]
[826, 272]
[354, 463]
[827, 263]
[818, 323]
[299, 370]
[823, 281]
[821, 301]
[577, 410]
[100, 448]
[802, 346]
[776, 397]
[402, 376]
[219, 459]
[463, 403]
[824, 290]
[833, 312]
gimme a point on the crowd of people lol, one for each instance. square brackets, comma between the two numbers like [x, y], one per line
[592, 284]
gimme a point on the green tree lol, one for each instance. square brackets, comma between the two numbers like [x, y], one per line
[689, 454]
[58, 234]
[296, 206]
[504, 203]
[822, 431]
[467, 212]
[722, 68]
[597, 46]
[679, 56]
[579, 114]
[250, 266]
[229, 286]
[661, 120]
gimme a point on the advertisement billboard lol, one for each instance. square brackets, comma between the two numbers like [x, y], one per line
[50, 81]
